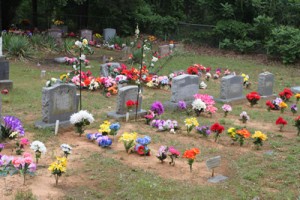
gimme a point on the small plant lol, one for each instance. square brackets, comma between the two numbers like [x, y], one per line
[191, 156]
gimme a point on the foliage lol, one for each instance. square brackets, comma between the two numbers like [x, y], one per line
[231, 29]
[17, 46]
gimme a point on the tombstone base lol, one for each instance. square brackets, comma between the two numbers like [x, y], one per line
[6, 84]
[295, 89]
[235, 100]
[217, 179]
[269, 96]
[169, 105]
[43, 125]
[117, 116]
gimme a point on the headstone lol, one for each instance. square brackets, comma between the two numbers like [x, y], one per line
[60, 60]
[265, 84]
[295, 89]
[87, 34]
[5, 83]
[124, 94]
[217, 179]
[107, 67]
[1, 53]
[184, 87]
[62, 28]
[164, 50]
[125, 53]
[59, 102]
[56, 34]
[109, 33]
[213, 162]
[231, 89]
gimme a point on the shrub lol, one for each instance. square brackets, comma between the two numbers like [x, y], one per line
[284, 42]
[231, 29]
[18, 46]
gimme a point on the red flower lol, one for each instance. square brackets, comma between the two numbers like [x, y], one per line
[216, 127]
[141, 150]
[4, 91]
[286, 94]
[270, 104]
[192, 70]
[130, 103]
[253, 98]
[281, 121]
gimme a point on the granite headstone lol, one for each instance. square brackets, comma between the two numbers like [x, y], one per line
[231, 89]
[107, 67]
[59, 102]
[109, 33]
[164, 50]
[87, 34]
[265, 84]
[295, 89]
[56, 34]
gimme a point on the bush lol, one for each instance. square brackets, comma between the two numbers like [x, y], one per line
[231, 29]
[18, 46]
[284, 42]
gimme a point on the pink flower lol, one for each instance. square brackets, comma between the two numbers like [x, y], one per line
[24, 141]
[28, 160]
[211, 109]
[32, 167]
[207, 99]
[174, 151]
[17, 162]
[26, 154]
[108, 94]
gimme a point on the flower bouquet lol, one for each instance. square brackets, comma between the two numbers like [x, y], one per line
[218, 129]
[294, 108]
[149, 116]
[11, 128]
[286, 94]
[203, 130]
[270, 105]
[232, 134]
[93, 136]
[253, 98]
[297, 124]
[80, 120]
[259, 137]
[242, 135]
[198, 106]
[104, 141]
[246, 82]
[181, 105]
[226, 108]
[24, 165]
[281, 122]
[173, 154]
[20, 145]
[162, 153]
[67, 149]
[39, 148]
[104, 128]
[128, 140]
[141, 146]
[297, 97]
[130, 104]
[114, 128]
[157, 108]
[191, 156]
[58, 167]
[282, 106]
[244, 117]
[190, 123]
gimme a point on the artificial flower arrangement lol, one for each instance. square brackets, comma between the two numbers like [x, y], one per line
[203, 130]
[130, 104]
[270, 105]
[58, 167]
[244, 117]
[190, 123]
[208, 101]
[67, 149]
[294, 108]
[253, 98]
[165, 151]
[207, 76]
[20, 145]
[158, 108]
[141, 146]
[93, 136]
[198, 106]
[259, 137]
[231, 132]
[226, 108]
[104, 141]
[297, 124]
[286, 94]
[51, 82]
[191, 156]
[217, 74]
[193, 70]
[165, 125]
[297, 97]
[282, 106]
[242, 134]
[281, 122]
[128, 140]
[39, 148]
[217, 129]
[246, 82]
[80, 120]
[11, 128]
[58, 22]
[149, 116]
[104, 128]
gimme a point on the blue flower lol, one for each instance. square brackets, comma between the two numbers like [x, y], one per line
[144, 141]
[104, 141]
[115, 126]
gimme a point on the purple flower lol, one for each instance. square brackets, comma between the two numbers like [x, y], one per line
[182, 105]
[104, 141]
[157, 108]
[204, 130]
[1, 147]
[32, 167]
[294, 108]
[13, 124]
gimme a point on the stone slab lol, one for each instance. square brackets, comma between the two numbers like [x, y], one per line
[43, 125]
[295, 89]
[217, 179]
[109, 33]
[117, 116]
[4, 69]
[241, 99]
[265, 84]
[60, 60]
[172, 106]
[6, 84]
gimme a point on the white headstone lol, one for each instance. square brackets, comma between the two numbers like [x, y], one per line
[1, 53]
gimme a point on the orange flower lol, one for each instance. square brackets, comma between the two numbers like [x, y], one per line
[113, 89]
[87, 82]
[244, 132]
[191, 153]
[196, 150]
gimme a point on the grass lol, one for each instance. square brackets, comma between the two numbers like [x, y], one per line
[252, 173]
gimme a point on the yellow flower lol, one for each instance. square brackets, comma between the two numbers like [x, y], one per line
[128, 137]
[84, 41]
[191, 122]
[150, 84]
[105, 127]
[231, 131]
[282, 105]
[246, 77]
[59, 166]
[297, 95]
[63, 76]
[260, 135]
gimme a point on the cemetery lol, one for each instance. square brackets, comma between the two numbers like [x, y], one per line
[145, 118]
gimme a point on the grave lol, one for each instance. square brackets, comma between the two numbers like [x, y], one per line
[109, 33]
[87, 34]
[5, 83]
[265, 84]
[56, 34]
[184, 87]
[59, 102]
[211, 164]
[105, 68]
[295, 89]
[164, 50]
[231, 89]
[127, 93]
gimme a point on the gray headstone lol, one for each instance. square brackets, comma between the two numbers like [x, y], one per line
[124, 94]
[0, 109]
[213, 162]
[59, 102]
[60, 60]
[184, 87]
[4, 69]
[63, 28]
[56, 34]
[109, 33]
[125, 53]
[231, 89]
[265, 84]
[87, 34]
[295, 89]
[1, 53]
[104, 68]
[163, 50]
[217, 179]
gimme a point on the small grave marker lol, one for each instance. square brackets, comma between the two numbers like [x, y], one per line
[213, 163]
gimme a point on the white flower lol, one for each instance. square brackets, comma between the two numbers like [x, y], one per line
[208, 74]
[81, 116]
[53, 80]
[171, 75]
[244, 115]
[82, 57]
[78, 43]
[74, 67]
[202, 85]
[38, 146]
[66, 148]
[48, 83]
[198, 104]
[154, 59]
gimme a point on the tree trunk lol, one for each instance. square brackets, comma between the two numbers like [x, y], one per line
[34, 13]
